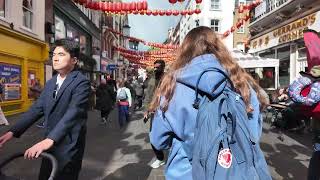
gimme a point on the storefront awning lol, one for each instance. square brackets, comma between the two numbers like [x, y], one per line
[249, 61]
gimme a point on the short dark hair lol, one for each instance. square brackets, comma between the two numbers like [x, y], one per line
[70, 46]
[161, 62]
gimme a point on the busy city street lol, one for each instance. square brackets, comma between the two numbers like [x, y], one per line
[160, 89]
[113, 154]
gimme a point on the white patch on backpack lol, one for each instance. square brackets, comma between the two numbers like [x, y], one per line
[225, 158]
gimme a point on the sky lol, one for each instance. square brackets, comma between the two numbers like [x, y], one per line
[153, 28]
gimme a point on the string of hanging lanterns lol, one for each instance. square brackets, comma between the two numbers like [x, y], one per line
[241, 21]
[157, 45]
[135, 8]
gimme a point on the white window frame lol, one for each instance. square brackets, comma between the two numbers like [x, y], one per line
[213, 3]
[32, 15]
[5, 10]
[214, 26]
[241, 30]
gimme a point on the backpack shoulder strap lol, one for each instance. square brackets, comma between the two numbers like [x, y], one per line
[198, 91]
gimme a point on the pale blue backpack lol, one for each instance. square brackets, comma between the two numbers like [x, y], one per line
[223, 147]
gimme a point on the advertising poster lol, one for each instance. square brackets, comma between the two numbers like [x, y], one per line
[10, 79]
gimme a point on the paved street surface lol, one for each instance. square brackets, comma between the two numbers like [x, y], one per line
[114, 154]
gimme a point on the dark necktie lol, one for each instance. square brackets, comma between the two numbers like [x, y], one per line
[55, 91]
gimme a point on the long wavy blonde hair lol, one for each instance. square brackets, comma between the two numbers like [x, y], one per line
[199, 41]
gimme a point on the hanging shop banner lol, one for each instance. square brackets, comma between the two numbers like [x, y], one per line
[287, 33]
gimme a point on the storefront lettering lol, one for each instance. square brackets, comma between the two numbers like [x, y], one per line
[294, 30]
[292, 36]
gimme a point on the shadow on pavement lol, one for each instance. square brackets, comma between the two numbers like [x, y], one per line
[132, 171]
[109, 147]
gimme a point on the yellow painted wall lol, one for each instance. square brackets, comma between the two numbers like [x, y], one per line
[29, 54]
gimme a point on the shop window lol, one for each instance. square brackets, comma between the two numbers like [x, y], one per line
[215, 5]
[60, 31]
[2, 8]
[283, 54]
[240, 46]
[34, 87]
[10, 81]
[215, 25]
[264, 76]
[27, 13]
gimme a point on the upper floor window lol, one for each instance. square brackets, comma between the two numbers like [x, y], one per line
[215, 5]
[27, 13]
[240, 30]
[215, 25]
[2, 8]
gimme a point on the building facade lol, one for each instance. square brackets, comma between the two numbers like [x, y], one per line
[215, 14]
[277, 32]
[240, 35]
[23, 52]
[81, 24]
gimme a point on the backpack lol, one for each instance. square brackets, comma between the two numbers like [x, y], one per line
[122, 95]
[223, 147]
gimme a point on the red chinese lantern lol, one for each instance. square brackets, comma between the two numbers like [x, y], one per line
[105, 6]
[139, 6]
[197, 11]
[101, 5]
[225, 34]
[87, 4]
[183, 13]
[180, 0]
[198, 1]
[155, 12]
[133, 6]
[190, 12]
[168, 12]
[162, 12]
[112, 7]
[144, 5]
[239, 24]
[135, 12]
[118, 6]
[240, 10]
[142, 12]
[126, 6]
[82, 2]
[148, 13]
[172, 1]
[247, 17]
[232, 29]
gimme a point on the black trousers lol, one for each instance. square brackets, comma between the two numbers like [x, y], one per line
[68, 172]
[105, 113]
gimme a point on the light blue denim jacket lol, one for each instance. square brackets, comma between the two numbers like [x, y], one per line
[178, 122]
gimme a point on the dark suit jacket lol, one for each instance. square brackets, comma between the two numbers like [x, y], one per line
[65, 117]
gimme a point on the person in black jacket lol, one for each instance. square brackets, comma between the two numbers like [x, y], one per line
[106, 98]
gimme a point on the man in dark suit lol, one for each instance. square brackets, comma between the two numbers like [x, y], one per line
[64, 105]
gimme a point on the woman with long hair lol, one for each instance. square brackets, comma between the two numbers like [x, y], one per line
[175, 118]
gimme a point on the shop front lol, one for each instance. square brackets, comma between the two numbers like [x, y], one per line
[22, 61]
[72, 23]
[286, 44]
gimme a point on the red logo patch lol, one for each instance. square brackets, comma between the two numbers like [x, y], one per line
[225, 158]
